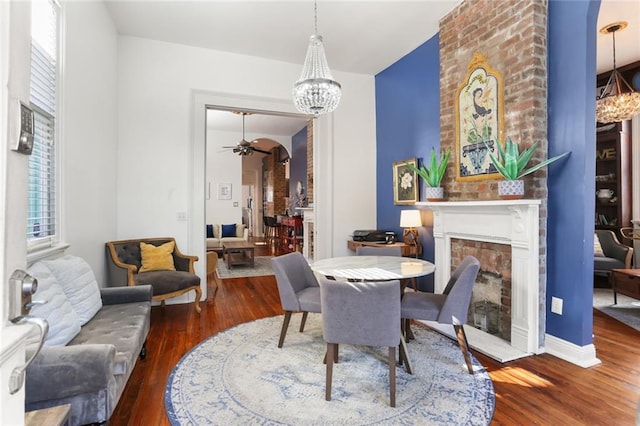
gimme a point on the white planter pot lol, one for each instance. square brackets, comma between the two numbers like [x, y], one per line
[511, 189]
[433, 194]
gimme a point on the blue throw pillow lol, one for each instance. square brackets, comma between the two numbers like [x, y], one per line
[229, 230]
[209, 231]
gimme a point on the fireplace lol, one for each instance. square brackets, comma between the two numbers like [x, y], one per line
[505, 229]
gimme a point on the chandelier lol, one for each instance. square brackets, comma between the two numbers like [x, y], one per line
[618, 100]
[316, 92]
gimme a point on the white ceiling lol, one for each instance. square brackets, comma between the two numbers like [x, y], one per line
[359, 36]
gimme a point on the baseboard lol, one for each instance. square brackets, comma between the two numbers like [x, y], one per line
[583, 356]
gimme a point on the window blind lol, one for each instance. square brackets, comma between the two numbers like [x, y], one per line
[41, 212]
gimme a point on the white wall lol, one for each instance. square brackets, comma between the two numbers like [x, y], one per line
[223, 167]
[161, 138]
[89, 138]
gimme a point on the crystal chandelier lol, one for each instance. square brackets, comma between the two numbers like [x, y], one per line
[618, 100]
[316, 92]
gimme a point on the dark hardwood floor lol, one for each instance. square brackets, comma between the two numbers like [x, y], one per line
[541, 390]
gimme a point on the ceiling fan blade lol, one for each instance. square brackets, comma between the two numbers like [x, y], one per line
[262, 151]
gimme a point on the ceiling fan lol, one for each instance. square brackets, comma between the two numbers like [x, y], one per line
[244, 147]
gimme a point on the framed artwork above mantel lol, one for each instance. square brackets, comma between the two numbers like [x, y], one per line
[479, 109]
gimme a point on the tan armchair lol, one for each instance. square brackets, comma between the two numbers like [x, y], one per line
[124, 261]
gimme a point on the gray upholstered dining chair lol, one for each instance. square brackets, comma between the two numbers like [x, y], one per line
[298, 289]
[450, 307]
[385, 251]
[361, 313]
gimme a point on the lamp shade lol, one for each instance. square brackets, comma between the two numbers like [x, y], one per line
[410, 219]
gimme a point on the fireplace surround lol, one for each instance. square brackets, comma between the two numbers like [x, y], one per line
[514, 223]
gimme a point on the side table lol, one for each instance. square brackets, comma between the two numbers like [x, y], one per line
[407, 250]
[625, 281]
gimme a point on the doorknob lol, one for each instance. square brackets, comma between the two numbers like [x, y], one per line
[16, 380]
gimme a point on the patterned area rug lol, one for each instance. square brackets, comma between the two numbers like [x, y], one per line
[262, 267]
[240, 377]
[627, 310]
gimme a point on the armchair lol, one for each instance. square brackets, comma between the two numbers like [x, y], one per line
[127, 267]
[614, 255]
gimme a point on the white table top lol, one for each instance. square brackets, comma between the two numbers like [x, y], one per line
[373, 268]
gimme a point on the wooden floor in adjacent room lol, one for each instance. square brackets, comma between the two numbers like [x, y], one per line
[542, 390]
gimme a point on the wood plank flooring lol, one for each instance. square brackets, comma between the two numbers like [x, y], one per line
[541, 390]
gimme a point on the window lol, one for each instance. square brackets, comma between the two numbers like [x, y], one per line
[41, 212]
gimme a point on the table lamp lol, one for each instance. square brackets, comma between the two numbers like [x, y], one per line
[410, 219]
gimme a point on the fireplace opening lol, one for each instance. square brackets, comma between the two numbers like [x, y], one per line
[490, 307]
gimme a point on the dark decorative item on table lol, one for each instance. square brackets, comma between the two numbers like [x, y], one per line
[432, 175]
[511, 165]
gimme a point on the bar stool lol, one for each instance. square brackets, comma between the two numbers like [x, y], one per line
[271, 229]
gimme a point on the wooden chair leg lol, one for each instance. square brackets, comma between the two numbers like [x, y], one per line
[404, 356]
[285, 326]
[392, 375]
[464, 346]
[330, 351]
[197, 301]
[304, 321]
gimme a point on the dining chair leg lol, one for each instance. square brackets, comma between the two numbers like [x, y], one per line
[464, 345]
[404, 356]
[335, 355]
[406, 330]
[304, 321]
[392, 375]
[329, 356]
[285, 326]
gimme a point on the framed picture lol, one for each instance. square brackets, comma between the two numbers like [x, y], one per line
[224, 191]
[479, 120]
[405, 182]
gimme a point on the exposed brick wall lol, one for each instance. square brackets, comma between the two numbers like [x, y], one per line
[274, 173]
[310, 161]
[513, 36]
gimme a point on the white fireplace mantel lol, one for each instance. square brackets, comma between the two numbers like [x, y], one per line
[514, 223]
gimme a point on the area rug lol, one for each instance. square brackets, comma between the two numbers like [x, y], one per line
[627, 310]
[262, 267]
[241, 377]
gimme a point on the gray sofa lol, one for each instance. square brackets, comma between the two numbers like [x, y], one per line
[91, 370]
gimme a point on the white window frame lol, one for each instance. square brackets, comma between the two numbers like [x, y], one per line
[42, 247]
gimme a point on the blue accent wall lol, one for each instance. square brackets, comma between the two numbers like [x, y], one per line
[407, 120]
[407, 125]
[298, 166]
[571, 127]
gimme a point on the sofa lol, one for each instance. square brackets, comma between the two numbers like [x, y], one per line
[217, 234]
[156, 262]
[95, 337]
[609, 253]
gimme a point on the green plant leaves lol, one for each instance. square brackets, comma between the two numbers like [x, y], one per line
[433, 175]
[511, 163]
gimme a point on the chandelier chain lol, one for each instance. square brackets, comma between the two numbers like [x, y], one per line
[315, 17]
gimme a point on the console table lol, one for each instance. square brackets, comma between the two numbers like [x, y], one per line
[291, 233]
[407, 250]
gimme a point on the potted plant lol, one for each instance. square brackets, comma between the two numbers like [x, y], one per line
[432, 176]
[511, 165]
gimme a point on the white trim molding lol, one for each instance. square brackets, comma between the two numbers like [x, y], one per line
[583, 356]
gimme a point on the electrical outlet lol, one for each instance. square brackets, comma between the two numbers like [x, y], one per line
[556, 305]
[181, 216]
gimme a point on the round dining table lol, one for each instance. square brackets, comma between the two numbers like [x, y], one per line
[373, 268]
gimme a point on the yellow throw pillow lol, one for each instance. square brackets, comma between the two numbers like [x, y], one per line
[157, 258]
